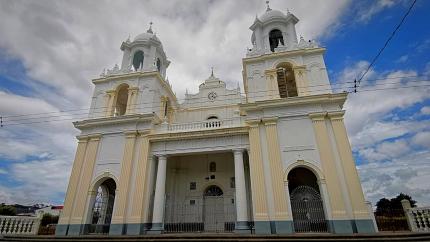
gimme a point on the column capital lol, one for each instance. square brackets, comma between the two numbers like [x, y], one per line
[253, 123]
[337, 115]
[95, 137]
[238, 150]
[130, 133]
[319, 116]
[111, 92]
[270, 121]
[133, 89]
[82, 138]
[161, 156]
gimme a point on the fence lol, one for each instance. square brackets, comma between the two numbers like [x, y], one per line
[19, 225]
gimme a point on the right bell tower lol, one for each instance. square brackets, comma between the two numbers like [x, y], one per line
[280, 66]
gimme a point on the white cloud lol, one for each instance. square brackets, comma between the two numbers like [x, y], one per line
[367, 12]
[422, 139]
[402, 59]
[425, 110]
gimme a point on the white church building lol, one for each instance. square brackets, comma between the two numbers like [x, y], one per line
[272, 159]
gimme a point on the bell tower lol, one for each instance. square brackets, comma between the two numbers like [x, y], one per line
[279, 66]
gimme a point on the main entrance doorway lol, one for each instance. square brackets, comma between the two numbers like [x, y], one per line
[306, 202]
[213, 209]
[103, 207]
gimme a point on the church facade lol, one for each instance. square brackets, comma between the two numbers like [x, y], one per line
[273, 160]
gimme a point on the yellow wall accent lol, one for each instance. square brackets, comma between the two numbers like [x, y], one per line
[259, 196]
[124, 179]
[276, 170]
[110, 99]
[347, 161]
[138, 205]
[74, 180]
[327, 161]
[272, 84]
[77, 215]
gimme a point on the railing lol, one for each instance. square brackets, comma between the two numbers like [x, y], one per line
[418, 218]
[207, 124]
[19, 225]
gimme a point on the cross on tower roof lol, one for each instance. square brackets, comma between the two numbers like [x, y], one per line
[212, 73]
[268, 7]
[150, 28]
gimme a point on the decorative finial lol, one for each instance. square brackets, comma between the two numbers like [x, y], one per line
[212, 72]
[268, 7]
[288, 11]
[150, 28]
[128, 39]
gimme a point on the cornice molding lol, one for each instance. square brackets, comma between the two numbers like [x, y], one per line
[198, 134]
[89, 123]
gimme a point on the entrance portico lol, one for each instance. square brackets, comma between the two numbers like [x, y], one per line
[204, 192]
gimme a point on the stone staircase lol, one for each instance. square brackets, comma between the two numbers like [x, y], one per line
[228, 237]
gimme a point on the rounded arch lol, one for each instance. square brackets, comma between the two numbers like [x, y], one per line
[98, 180]
[210, 184]
[279, 63]
[305, 164]
[137, 61]
[121, 99]
[213, 191]
[275, 38]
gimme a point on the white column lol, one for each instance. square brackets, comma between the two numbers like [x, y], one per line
[160, 188]
[241, 201]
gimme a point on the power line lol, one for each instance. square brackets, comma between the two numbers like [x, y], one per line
[386, 43]
[74, 118]
[71, 111]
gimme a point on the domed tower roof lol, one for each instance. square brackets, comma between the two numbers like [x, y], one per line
[148, 35]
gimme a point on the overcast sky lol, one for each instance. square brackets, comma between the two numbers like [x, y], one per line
[50, 51]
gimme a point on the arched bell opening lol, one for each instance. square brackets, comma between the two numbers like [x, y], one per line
[275, 38]
[286, 80]
[138, 60]
[307, 204]
[102, 208]
[121, 100]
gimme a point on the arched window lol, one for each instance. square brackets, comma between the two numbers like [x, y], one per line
[138, 59]
[212, 167]
[121, 100]
[213, 191]
[286, 81]
[158, 65]
[275, 36]
[103, 207]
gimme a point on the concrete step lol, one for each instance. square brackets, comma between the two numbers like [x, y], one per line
[228, 237]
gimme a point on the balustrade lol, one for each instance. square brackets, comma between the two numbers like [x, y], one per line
[19, 225]
[207, 124]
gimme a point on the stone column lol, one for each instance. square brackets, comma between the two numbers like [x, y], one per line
[78, 219]
[241, 201]
[64, 220]
[282, 219]
[110, 98]
[139, 205]
[118, 220]
[361, 214]
[301, 80]
[272, 84]
[160, 188]
[341, 222]
[132, 95]
[258, 187]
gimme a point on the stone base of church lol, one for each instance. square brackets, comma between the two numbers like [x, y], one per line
[351, 226]
[157, 228]
[136, 229]
[116, 229]
[75, 229]
[283, 227]
[61, 229]
[242, 227]
[262, 227]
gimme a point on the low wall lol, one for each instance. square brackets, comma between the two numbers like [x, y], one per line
[10, 225]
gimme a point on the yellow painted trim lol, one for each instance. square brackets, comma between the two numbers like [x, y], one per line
[259, 196]
[72, 188]
[355, 191]
[154, 137]
[276, 170]
[337, 202]
[121, 198]
[138, 205]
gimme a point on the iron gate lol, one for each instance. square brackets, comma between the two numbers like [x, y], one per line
[308, 211]
[211, 212]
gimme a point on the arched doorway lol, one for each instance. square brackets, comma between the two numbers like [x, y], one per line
[101, 213]
[306, 202]
[213, 207]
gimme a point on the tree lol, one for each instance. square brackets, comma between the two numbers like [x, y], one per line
[7, 210]
[390, 206]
